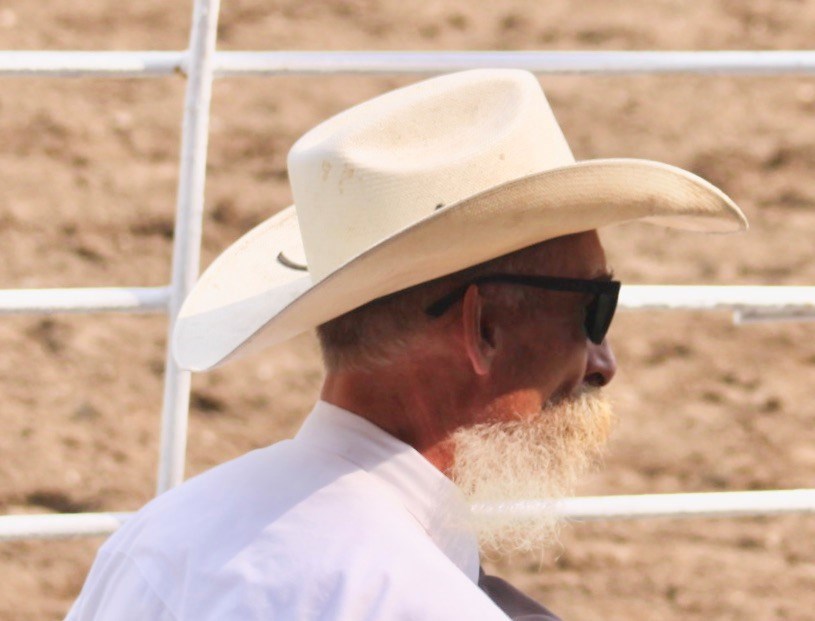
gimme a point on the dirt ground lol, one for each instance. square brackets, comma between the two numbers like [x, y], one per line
[88, 171]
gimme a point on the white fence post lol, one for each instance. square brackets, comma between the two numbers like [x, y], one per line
[187, 239]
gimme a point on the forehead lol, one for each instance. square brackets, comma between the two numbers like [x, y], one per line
[578, 256]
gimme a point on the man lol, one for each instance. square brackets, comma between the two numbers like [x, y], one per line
[444, 245]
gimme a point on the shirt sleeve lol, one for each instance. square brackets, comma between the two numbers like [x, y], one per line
[116, 589]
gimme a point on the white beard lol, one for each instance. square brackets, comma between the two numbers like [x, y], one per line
[538, 456]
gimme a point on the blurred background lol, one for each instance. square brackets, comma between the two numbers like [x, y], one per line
[88, 173]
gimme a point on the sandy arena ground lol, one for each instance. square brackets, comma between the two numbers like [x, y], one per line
[88, 171]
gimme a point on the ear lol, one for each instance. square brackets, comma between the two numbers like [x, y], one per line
[479, 333]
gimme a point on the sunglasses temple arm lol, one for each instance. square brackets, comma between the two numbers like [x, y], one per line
[439, 307]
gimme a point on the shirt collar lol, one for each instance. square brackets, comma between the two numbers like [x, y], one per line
[429, 496]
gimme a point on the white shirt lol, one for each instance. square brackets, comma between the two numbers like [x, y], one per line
[344, 522]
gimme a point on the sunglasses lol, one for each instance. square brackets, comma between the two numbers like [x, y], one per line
[599, 312]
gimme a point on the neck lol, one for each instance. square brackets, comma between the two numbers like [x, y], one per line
[419, 410]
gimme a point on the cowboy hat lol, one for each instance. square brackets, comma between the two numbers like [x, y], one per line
[417, 183]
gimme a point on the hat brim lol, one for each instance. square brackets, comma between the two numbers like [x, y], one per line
[249, 300]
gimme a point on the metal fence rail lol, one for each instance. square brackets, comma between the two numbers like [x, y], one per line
[201, 64]
[747, 303]
[585, 509]
[767, 302]
[228, 64]
[84, 300]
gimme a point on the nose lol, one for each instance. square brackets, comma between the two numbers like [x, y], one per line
[601, 364]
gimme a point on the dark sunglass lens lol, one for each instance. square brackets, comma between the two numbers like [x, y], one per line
[590, 323]
[599, 318]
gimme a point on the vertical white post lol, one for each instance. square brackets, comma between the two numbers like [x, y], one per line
[187, 240]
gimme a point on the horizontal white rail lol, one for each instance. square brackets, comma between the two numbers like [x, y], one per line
[747, 303]
[588, 508]
[714, 297]
[62, 64]
[759, 315]
[753, 63]
[750, 302]
[59, 525]
[145, 64]
[84, 300]
[698, 505]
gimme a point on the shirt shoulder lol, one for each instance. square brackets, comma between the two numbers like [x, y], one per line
[283, 532]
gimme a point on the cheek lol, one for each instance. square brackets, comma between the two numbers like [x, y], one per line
[574, 372]
[534, 377]
[549, 364]
[559, 369]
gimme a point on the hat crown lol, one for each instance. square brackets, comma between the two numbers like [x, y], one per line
[372, 171]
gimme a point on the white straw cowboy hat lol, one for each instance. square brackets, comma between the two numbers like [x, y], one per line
[421, 182]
